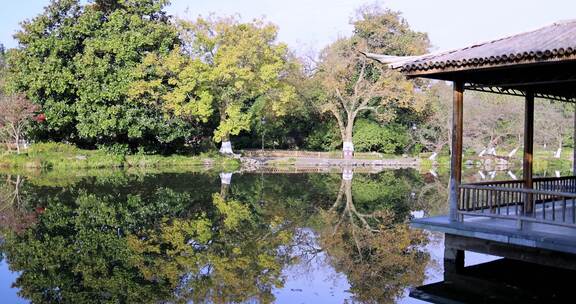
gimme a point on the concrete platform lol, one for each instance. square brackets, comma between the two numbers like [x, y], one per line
[532, 235]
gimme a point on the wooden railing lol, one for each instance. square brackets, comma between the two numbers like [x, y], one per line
[551, 201]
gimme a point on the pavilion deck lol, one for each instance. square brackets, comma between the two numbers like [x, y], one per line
[535, 235]
[506, 212]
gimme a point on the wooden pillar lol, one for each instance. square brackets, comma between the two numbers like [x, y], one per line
[528, 149]
[574, 146]
[456, 151]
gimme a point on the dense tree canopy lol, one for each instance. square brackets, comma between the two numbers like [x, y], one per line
[77, 62]
[246, 68]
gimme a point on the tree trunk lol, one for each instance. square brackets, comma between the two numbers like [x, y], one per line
[347, 145]
[226, 147]
[17, 137]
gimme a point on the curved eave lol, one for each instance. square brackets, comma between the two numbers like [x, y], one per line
[452, 70]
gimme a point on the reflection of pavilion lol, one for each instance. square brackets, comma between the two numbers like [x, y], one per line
[532, 219]
[500, 281]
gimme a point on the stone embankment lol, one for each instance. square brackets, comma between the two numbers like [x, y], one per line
[321, 161]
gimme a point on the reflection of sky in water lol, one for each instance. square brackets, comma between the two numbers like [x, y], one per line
[318, 284]
[312, 279]
[315, 281]
[8, 294]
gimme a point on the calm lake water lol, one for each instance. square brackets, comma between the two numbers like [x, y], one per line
[148, 237]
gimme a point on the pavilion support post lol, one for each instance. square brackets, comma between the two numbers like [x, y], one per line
[456, 151]
[574, 146]
[528, 150]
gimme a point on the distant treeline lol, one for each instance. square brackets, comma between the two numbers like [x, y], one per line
[126, 77]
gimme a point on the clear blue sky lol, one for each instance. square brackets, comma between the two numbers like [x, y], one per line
[311, 24]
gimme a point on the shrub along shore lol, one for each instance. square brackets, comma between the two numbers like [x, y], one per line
[63, 156]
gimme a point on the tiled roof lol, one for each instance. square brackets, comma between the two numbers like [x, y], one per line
[553, 42]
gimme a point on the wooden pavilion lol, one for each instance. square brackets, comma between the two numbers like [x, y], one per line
[532, 218]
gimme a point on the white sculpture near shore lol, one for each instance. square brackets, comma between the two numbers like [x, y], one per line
[487, 151]
[558, 153]
[491, 151]
[482, 153]
[513, 152]
[492, 174]
[482, 175]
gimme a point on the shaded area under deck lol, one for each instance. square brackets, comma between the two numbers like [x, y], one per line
[501, 281]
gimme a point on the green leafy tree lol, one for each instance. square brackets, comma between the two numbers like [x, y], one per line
[77, 61]
[386, 32]
[176, 83]
[3, 135]
[247, 67]
[371, 136]
[353, 84]
[325, 136]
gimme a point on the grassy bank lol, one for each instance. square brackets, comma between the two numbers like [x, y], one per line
[62, 156]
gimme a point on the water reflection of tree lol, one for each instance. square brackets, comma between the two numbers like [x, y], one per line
[433, 195]
[14, 214]
[236, 254]
[179, 237]
[368, 239]
[10, 192]
[162, 246]
[77, 252]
